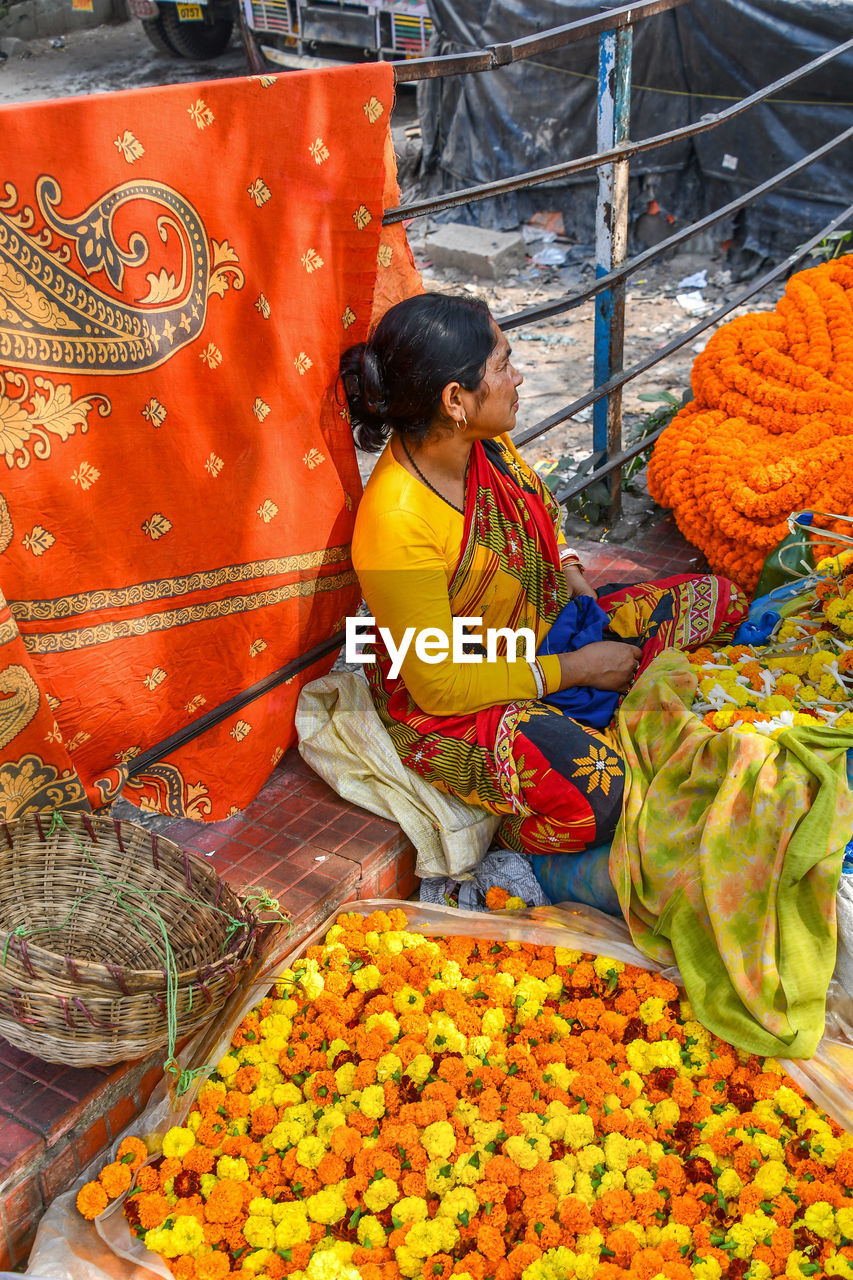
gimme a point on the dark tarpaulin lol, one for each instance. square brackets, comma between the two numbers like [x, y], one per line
[686, 63]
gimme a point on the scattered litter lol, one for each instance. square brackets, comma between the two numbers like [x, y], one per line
[699, 280]
[321, 857]
[550, 221]
[531, 233]
[551, 256]
[58, 43]
[583, 415]
[693, 303]
[550, 339]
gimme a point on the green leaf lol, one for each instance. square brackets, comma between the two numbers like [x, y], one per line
[354, 1217]
[463, 1217]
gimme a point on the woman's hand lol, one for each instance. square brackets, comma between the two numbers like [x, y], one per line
[606, 664]
[577, 583]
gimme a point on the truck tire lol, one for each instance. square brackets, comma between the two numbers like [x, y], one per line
[196, 40]
[153, 28]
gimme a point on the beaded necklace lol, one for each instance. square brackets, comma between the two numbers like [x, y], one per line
[432, 486]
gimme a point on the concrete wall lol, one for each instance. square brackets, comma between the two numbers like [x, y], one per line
[29, 19]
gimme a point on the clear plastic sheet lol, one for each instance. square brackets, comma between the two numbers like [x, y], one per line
[69, 1248]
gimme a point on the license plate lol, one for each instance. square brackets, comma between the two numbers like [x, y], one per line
[190, 13]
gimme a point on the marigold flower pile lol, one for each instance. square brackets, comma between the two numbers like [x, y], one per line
[404, 1106]
[803, 676]
[770, 430]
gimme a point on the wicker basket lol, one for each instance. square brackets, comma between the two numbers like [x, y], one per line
[81, 981]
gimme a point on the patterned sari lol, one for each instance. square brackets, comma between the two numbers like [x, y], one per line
[558, 783]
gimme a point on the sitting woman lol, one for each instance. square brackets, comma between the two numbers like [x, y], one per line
[453, 523]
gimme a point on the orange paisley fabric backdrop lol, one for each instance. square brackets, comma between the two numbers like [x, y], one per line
[180, 269]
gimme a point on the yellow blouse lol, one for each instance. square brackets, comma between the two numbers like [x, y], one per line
[406, 546]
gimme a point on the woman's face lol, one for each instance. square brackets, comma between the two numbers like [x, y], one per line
[492, 408]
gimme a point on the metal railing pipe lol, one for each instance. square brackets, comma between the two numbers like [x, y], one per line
[625, 151]
[545, 310]
[504, 54]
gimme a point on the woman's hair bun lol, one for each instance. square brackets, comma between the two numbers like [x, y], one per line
[394, 381]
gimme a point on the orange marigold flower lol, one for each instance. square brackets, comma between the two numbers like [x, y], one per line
[132, 1152]
[153, 1208]
[264, 1119]
[225, 1202]
[497, 898]
[92, 1199]
[148, 1179]
[115, 1178]
[331, 1169]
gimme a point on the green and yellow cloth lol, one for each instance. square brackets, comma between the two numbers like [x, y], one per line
[727, 860]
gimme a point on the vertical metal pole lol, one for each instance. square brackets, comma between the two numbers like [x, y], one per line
[611, 239]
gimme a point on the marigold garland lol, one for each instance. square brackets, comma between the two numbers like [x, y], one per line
[490, 1111]
[770, 430]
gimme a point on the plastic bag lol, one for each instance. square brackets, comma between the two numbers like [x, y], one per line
[67, 1247]
[793, 557]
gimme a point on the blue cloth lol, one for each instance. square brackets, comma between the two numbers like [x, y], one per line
[578, 877]
[582, 621]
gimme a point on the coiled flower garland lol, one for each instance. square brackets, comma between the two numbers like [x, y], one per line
[770, 430]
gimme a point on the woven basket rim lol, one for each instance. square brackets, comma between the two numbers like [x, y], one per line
[240, 942]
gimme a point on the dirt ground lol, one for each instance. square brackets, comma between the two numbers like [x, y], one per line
[555, 356]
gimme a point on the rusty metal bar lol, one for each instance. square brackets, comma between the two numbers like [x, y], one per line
[545, 310]
[502, 55]
[619, 380]
[625, 151]
[611, 241]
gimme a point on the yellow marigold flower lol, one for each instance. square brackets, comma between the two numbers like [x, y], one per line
[259, 1232]
[652, 1010]
[771, 1178]
[380, 1194]
[439, 1177]
[177, 1142]
[460, 1201]
[345, 1078]
[257, 1261]
[579, 1130]
[470, 1168]
[419, 1068]
[566, 959]
[607, 968]
[408, 1000]
[844, 1222]
[639, 1179]
[409, 1209]
[286, 1095]
[232, 1167]
[367, 979]
[370, 1232]
[494, 1022]
[326, 1206]
[372, 1101]
[616, 1151]
[310, 1151]
[589, 1156]
[706, 1268]
[666, 1112]
[820, 1218]
[729, 1184]
[563, 1179]
[438, 1140]
[388, 1066]
[228, 1066]
[521, 1153]
[261, 1207]
[837, 1265]
[329, 1121]
[292, 1229]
